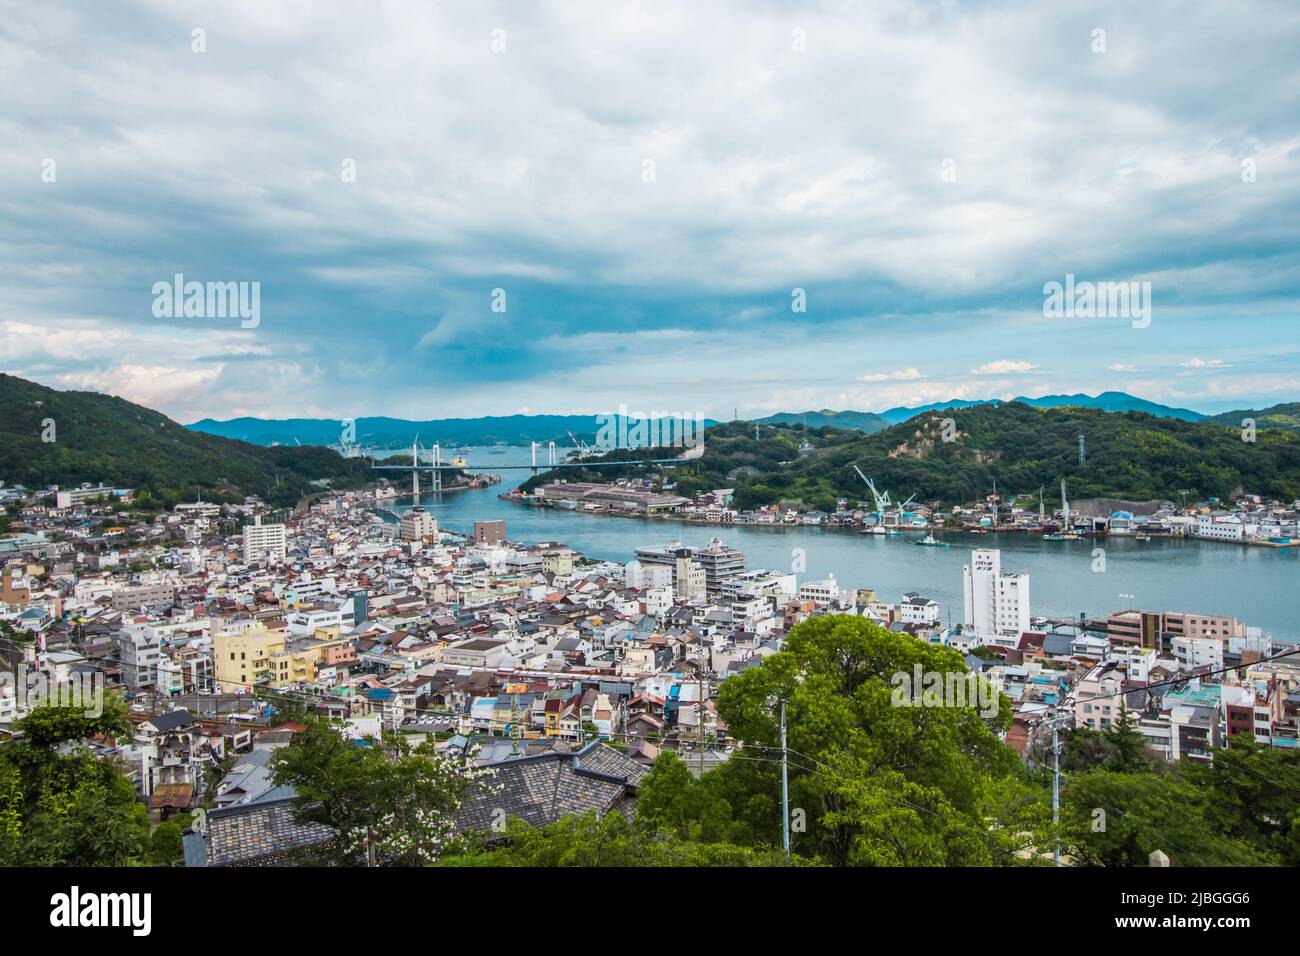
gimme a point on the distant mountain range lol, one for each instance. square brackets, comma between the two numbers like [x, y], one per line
[872, 422]
[400, 432]
[868, 422]
[393, 433]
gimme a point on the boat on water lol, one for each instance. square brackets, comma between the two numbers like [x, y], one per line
[1061, 536]
[930, 541]
[893, 533]
[1142, 537]
[497, 450]
[874, 530]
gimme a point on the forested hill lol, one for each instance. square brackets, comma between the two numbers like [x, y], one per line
[1286, 416]
[1128, 455]
[103, 438]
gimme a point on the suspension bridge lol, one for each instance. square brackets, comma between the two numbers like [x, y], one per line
[436, 467]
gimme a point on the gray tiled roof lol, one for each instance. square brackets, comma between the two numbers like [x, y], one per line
[246, 834]
[540, 789]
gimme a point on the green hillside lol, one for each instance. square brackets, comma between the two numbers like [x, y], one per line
[103, 438]
[1285, 416]
[1129, 455]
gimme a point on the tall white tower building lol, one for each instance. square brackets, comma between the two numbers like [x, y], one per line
[996, 601]
[264, 541]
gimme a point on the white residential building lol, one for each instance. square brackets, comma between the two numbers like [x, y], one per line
[1193, 653]
[996, 601]
[826, 591]
[647, 576]
[139, 648]
[418, 525]
[915, 609]
[264, 541]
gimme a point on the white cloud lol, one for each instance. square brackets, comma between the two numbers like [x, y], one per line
[1123, 368]
[902, 375]
[771, 173]
[1200, 363]
[1003, 367]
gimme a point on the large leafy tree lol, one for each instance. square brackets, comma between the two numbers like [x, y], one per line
[856, 753]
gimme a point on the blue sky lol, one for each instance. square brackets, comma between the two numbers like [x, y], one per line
[507, 146]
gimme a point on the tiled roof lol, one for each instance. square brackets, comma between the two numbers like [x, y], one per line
[246, 834]
[540, 789]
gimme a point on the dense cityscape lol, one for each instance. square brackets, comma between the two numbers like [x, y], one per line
[228, 629]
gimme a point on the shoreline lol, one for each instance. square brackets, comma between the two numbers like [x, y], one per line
[854, 529]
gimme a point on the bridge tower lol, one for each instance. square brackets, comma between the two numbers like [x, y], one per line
[415, 469]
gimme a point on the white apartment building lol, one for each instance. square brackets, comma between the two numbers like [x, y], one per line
[418, 525]
[760, 583]
[825, 591]
[1192, 653]
[646, 576]
[264, 542]
[306, 623]
[1137, 662]
[658, 600]
[75, 497]
[139, 649]
[689, 578]
[996, 601]
[915, 609]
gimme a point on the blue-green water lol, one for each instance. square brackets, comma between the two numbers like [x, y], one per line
[1254, 584]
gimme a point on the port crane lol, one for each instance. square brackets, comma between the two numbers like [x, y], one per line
[885, 508]
[581, 448]
[882, 501]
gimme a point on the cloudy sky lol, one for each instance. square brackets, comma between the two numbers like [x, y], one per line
[648, 184]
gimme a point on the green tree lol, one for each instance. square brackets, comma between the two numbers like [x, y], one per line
[60, 805]
[1119, 819]
[1128, 751]
[379, 796]
[855, 750]
[591, 840]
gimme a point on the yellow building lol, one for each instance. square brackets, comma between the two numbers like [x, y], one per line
[242, 659]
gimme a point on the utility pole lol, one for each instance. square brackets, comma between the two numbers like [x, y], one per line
[701, 711]
[1056, 795]
[785, 790]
